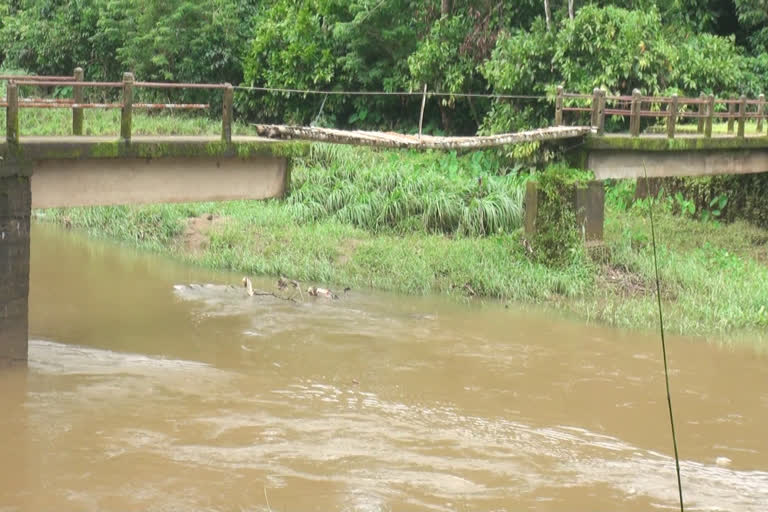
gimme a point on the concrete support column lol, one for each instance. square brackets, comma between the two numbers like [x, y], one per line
[588, 203]
[15, 210]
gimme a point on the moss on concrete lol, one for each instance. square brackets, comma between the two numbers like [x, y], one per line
[105, 150]
[72, 148]
[13, 163]
[285, 149]
[626, 143]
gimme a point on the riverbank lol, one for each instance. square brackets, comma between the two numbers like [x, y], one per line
[426, 223]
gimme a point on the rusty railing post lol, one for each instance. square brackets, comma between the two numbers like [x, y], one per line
[226, 114]
[760, 112]
[126, 116]
[12, 113]
[742, 115]
[731, 114]
[702, 112]
[634, 119]
[77, 97]
[559, 106]
[672, 117]
[601, 113]
[710, 115]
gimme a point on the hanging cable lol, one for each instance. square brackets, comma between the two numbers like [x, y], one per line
[392, 93]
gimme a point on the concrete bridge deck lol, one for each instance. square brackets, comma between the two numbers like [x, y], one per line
[88, 171]
[620, 156]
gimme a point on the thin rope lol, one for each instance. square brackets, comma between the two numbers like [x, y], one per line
[664, 344]
[320, 112]
[392, 93]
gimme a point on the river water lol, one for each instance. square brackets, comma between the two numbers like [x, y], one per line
[152, 385]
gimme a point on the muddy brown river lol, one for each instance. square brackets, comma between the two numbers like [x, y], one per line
[156, 386]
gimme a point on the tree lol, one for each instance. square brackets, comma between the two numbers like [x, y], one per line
[334, 44]
[49, 37]
[753, 14]
[616, 49]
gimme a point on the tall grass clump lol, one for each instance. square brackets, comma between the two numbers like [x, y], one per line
[152, 226]
[406, 191]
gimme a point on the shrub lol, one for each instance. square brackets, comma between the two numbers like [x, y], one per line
[557, 240]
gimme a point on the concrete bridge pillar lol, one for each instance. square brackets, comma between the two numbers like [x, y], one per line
[15, 210]
[588, 203]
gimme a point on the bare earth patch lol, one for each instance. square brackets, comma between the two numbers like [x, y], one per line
[627, 283]
[195, 236]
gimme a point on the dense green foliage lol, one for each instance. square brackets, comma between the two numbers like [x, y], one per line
[454, 47]
[619, 50]
[720, 198]
[557, 240]
[169, 40]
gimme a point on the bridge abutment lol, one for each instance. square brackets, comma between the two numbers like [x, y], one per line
[15, 211]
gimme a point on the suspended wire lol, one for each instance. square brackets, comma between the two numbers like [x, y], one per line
[393, 93]
[664, 344]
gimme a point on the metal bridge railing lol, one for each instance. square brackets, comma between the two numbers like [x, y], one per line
[13, 102]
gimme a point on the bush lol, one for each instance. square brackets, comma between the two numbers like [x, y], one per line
[557, 240]
[743, 196]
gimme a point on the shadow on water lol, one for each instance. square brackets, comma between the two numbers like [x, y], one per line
[153, 385]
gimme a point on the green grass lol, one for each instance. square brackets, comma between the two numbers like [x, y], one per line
[403, 192]
[718, 128]
[264, 238]
[714, 277]
[107, 122]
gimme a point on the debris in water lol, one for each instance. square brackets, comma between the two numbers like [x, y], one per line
[321, 292]
[248, 286]
[283, 283]
[251, 292]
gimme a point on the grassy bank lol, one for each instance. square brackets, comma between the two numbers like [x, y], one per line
[423, 223]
